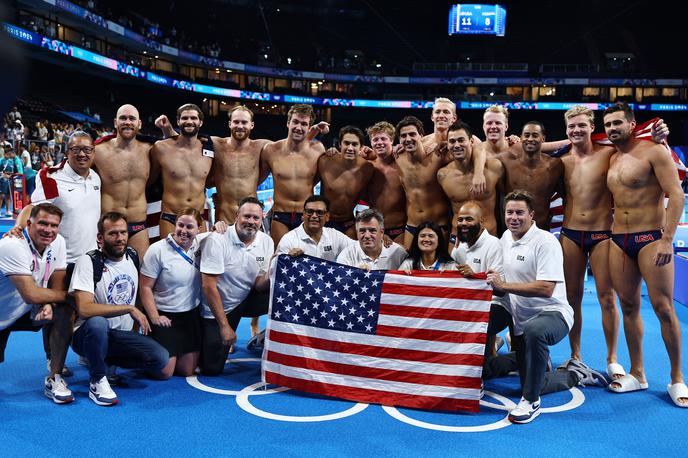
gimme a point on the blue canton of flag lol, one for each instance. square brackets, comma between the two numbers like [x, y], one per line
[313, 292]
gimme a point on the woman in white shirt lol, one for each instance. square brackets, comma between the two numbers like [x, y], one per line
[428, 250]
[170, 285]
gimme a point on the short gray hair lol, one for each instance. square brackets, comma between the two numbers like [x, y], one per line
[80, 134]
[369, 214]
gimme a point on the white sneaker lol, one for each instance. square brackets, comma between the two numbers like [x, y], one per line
[56, 389]
[101, 393]
[525, 411]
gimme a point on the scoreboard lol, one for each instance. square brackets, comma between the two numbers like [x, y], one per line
[475, 19]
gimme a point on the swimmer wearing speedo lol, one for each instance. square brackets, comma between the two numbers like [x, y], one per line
[640, 174]
[385, 192]
[293, 162]
[586, 231]
[123, 163]
[185, 166]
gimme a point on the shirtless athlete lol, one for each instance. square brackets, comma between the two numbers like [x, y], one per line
[344, 177]
[185, 165]
[293, 162]
[385, 192]
[457, 177]
[123, 164]
[640, 174]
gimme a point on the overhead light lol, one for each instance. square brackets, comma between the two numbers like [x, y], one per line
[145, 52]
[289, 60]
[156, 57]
[378, 65]
[266, 56]
[491, 94]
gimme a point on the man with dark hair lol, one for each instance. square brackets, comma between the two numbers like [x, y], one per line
[370, 253]
[312, 237]
[425, 200]
[234, 278]
[32, 291]
[457, 178]
[106, 311]
[641, 174]
[185, 163]
[533, 171]
[293, 162]
[534, 280]
[75, 188]
[344, 177]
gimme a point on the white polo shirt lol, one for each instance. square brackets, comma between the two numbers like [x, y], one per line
[332, 242]
[390, 257]
[536, 256]
[177, 285]
[118, 286]
[79, 199]
[236, 266]
[485, 254]
[408, 265]
[262, 248]
[19, 257]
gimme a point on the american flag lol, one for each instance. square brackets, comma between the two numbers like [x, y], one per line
[380, 337]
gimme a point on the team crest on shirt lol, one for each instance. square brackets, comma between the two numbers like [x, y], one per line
[520, 257]
[327, 248]
[121, 290]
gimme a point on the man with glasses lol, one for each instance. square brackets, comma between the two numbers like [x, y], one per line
[312, 237]
[75, 189]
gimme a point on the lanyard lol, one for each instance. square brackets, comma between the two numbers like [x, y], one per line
[179, 250]
[36, 265]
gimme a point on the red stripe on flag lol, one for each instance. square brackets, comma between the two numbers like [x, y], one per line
[432, 335]
[375, 351]
[437, 274]
[417, 378]
[437, 291]
[373, 396]
[434, 313]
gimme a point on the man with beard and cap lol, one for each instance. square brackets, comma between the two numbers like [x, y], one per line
[533, 171]
[234, 278]
[106, 312]
[479, 251]
[185, 165]
[236, 169]
[641, 174]
[344, 178]
[123, 163]
[385, 191]
[293, 162]
[457, 177]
